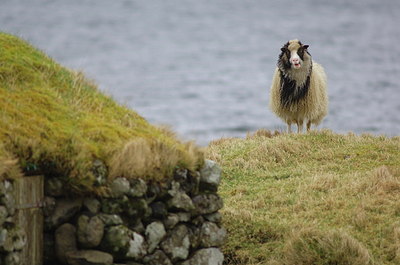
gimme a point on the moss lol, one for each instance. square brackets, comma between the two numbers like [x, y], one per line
[276, 184]
[56, 122]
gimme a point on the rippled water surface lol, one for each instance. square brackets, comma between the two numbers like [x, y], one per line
[205, 67]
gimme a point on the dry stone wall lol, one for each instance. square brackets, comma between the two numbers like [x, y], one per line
[12, 237]
[139, 223]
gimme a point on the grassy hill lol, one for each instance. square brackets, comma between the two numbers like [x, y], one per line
[56, 122]
[315, 198]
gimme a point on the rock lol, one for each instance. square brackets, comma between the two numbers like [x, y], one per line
[156, 190]
[110, 219]
[157, 258]
[5, 187]
[138, 188]
[155, 232]
[124, 243]
[214, 217]
[207, 203]
[198, 221]
[171, 220]
[3, 214]
[180, 175]
[13, 258]
[119, 187]
[92, 205]
[180, 201]
[207, 256]
[177, 244]
[8, 201]
[210, 176]
[90, 231]
[211, 235]
[137, 208]
[89, 257]
[174, 188]
[10, 220]
[189, 181]
[12, 240]
[184, 216]
[114, 206]
[49, 206]
[194, 237]
[54, 187]
[100, 172]
[158, 209]
[137, 226]
[19, 239]
[193, 184]
[64, 211]
[3, 239]
[137, 248]
[6, 244]
[153, 190]
[65, 241]
[116, 240]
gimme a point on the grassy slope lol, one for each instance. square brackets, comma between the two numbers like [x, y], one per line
[317, 198]
[56, 121]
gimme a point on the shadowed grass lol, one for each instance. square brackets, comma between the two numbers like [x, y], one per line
[322, 182]
[56, 122]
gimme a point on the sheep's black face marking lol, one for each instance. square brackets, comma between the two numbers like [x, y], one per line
[290, 92]
[284, 57]
[302, 50]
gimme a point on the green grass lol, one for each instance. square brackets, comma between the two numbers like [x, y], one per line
[56, 122]
[315, 198]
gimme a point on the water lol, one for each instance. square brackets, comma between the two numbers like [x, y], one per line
[205, 67]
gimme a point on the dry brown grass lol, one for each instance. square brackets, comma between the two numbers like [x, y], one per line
[312, 246]
[151, 159]
[9, 168]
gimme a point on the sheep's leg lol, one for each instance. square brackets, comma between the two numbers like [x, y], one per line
[308, 126]
[299, 126]
[289, 127]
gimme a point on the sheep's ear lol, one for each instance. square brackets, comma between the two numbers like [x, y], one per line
[306, 46]
[283, 49]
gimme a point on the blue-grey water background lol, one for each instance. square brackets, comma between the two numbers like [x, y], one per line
[205, 67]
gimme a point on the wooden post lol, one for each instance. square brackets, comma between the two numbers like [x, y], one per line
[29, 216]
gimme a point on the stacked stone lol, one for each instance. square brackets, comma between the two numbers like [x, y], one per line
[139, 223]
[12, 238]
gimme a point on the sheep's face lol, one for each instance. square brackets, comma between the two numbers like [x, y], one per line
[294, 54]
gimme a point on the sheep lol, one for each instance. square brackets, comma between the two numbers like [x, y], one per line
[298, 92]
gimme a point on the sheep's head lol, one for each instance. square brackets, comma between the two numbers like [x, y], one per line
[294, 54]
